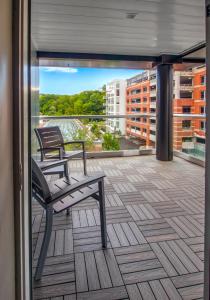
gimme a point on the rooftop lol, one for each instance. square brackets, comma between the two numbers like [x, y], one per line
[155, 224]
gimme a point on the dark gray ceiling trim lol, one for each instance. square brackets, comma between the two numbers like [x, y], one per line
[95, 56]
[193, 49]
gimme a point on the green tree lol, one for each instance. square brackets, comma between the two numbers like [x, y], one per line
[84, 103]
[95, 129]
[110, 142]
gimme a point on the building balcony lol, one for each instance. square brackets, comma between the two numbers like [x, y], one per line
[152, 137]
[153, 93]
[153, 81]
[152, 127]
[186, 87]
[153, 104]
[155, 225]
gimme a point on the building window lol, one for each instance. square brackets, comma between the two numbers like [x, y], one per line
[144, 89]
[136, 100]
[186, 124]
[136, 109]
[202, 125]
[152, 110]
[203, 80]
[135, 91]
[144, 130]
[145, 99]
[201, 141]
[185, 80]
[152, 132]
[202, 110]
[144, 109]
[152, 99]
[186, 139]
[186, 109]
[202, 95]
[185, 95]
[117, 92]
[153, 88]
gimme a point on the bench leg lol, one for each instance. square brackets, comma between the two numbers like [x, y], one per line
[45, 243]
[66, 174]
[66, 170]
[102, 214]
[84, 160]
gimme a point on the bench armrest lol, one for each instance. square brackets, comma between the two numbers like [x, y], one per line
[60, 150]
[76, 186]
[48, 165]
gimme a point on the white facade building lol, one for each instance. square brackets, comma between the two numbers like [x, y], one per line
[115, 104]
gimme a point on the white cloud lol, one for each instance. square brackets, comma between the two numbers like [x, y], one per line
[59, 69]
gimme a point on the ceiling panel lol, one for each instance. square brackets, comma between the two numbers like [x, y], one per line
[98, 26]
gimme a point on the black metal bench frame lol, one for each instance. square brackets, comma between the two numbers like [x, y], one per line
[91, 186]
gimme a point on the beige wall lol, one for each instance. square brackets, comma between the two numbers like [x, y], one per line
[7, 281]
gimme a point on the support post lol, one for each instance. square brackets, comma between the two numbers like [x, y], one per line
[164, 131]
[207, 166]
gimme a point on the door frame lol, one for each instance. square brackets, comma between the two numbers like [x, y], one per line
[21, 147]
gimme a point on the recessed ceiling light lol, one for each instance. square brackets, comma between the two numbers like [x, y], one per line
[131, 15]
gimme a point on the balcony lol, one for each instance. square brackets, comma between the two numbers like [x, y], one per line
[152, 137]
[155, 223]
[186, 87]
[153, 93]
[152, 104]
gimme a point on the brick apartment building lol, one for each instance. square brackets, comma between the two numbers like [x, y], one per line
[141, 98]
[189, 98]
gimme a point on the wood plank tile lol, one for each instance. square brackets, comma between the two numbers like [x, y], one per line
[146, 291]
[192, 292]
[81, 277]
[136, 277]
[68, 241]
[180, 268]
[170, 270]
[158, 290]
[59, 242]
[113, 268]
[140, 266]
[127, 258]
[103, 271]
[115, 293]
[92, 274]
[54, 290]
[188, 280]
[170, 289]
[121, 235]
[113, 236]
[133, 292]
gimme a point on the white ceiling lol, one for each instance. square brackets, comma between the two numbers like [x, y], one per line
[101, 26]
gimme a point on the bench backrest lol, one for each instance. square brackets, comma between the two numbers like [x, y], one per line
[40, 189]
[49, 137]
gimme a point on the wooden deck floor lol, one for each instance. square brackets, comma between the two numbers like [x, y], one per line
[155, 223]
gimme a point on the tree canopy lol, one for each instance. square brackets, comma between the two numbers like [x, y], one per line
[84, 103]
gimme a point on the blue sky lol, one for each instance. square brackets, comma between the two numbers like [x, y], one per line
[74, 80]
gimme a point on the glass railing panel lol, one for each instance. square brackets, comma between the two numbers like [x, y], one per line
[190, 134]
[107, 133]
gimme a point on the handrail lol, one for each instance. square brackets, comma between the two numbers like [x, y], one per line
[121, 116]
